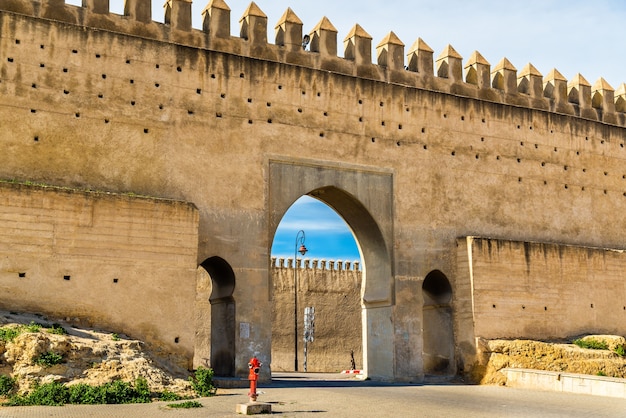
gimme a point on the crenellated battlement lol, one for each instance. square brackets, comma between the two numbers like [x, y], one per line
[416, 68]
[315, 264]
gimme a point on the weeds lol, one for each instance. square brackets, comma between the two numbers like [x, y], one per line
[202, 382]
[49, 359]
[32, 327]
[591, 344]
[166, 395]
[57, 329]
[7, 383]
[9, 333]
[620, 351]
[59, 394]
[186, 404]
[51, 394]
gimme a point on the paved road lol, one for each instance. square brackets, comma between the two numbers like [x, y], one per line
[319, 396]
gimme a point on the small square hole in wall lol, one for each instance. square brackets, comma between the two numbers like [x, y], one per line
[176, 340]
[66, 277]
[115, 280]
[21, 274]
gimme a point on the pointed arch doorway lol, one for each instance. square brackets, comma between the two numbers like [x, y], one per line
[328, 283]
[363, 198]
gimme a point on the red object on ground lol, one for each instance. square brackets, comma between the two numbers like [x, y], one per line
[255, 367]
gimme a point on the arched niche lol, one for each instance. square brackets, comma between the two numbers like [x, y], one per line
[437, 332]
[222, 359]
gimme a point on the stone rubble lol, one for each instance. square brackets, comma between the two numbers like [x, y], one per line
[559, 357]
[89, 356]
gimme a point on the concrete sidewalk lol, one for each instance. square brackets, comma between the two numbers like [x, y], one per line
[340, 397]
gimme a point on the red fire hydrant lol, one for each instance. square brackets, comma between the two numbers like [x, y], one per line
[255, 367]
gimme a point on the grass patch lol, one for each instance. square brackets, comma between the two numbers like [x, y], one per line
[591, 344]
[186, 404]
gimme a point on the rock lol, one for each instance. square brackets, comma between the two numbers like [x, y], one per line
[548, 356]
[89, 356]
[612, 341]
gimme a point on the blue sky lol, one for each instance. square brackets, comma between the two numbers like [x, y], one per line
[326, 234]
[573, 36]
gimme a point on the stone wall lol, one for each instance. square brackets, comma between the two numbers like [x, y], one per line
[334, 290]
[121, 263]
[544, 291]
[412, 158]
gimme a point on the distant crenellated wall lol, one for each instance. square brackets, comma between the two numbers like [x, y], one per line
[333, 288]
[474, 78]
[316, 264]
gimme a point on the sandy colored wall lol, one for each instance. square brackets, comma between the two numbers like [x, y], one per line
[115, 262]
[93, 100]
[335, 293]
[541, 291]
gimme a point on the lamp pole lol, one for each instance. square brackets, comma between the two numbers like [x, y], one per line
[302, 250]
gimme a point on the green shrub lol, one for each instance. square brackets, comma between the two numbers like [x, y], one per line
[620, 351]
[49, 359]
[86, 394]
[32, 327]
[600, 373]
[115, 337]
[9, 333]
[142, 391]
[57, 329]
[592, 344]
[166, 395]
[51, 394]
[202, 382]
[110, 393]
[186, 404]
[7, 383]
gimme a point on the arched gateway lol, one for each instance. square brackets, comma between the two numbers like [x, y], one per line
[364, 199]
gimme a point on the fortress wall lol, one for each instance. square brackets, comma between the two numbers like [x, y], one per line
[121, 263]
[473, 166]
[542, 291]
[118, 106]
[335, 293]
